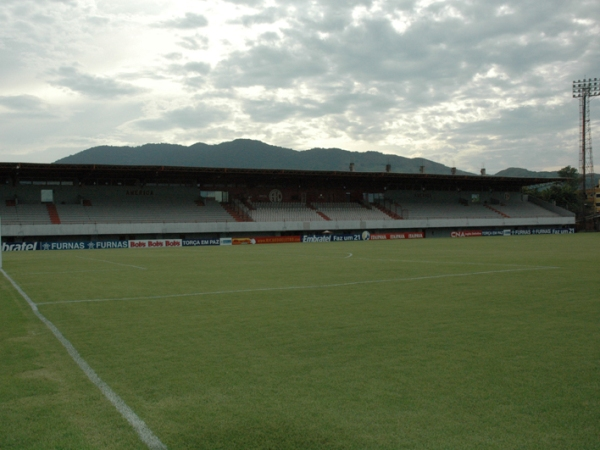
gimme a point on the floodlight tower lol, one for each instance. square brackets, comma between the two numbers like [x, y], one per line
[583, 90]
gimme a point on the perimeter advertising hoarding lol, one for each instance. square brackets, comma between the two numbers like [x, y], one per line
[78, 245]
[162, 243]
[266, 240]
[392, 236]
[495, 233]
[276, 239]
[311, 238]
[21, 247]
[155, 243]
[466, 233]
[528, 232]
[200, 242]
[544, 231]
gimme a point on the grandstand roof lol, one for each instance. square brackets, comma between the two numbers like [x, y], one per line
[221, 178]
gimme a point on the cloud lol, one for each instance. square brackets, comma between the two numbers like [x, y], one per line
[24, 108]
[271, 110]
[191, 117]
[21, 102]
[267, 16]
[269, 66]
[197, 67]
[189, 21]
[520, 123]
[91, 85]
[465, 81]
[194, 43]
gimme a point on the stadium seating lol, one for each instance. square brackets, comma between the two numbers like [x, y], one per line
[448, 205]
[281, 211]
[146, 211]
[350, 211]
[519, 208]
[182, 204]
[25, 214]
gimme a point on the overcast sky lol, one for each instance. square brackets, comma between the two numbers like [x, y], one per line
[467, 83]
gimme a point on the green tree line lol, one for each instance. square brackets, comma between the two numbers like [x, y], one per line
[565, 194]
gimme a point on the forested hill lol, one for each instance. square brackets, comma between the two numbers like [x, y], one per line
[250, 154]
[518, 172]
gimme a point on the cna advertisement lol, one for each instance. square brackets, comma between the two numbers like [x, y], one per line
[314, 238]
[466, 233]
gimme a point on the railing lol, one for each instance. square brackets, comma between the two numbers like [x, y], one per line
[407, 216]
[118, 222]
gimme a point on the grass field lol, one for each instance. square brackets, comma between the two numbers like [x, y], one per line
[429, 344]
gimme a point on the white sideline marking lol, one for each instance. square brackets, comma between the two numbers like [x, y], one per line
[68, 271]
[138, 424]
[457, 263]
[287, 288]
[111, 262]
[421, 261]
[349, 255]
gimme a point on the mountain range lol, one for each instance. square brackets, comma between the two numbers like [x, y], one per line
[251, 154]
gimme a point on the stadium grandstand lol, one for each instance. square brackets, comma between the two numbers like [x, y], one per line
[51, 202]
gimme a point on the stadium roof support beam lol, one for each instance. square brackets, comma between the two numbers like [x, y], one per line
[292, 179]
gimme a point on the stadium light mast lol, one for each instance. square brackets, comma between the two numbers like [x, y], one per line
[583, 90]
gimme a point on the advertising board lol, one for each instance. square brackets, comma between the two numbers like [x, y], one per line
[392, 236]
[466, 233]
[20, 247]
[171, 243]
[312, 238]
[200, 242]
[528, 232]
[73, 245]
[155, 243]
[266, 240]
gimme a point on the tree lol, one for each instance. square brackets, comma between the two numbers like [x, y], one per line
[564, 194]
[572, 174]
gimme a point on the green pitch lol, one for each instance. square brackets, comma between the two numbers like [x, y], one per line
[428, 344]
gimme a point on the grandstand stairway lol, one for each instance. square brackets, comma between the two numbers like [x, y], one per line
[496, 211]
[247, 204]
[386, 211]
[238, 216]
[53, 213]
[309, 206]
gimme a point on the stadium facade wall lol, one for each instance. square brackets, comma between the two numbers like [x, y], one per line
[304, 238]
[157, 194]
[228, 228]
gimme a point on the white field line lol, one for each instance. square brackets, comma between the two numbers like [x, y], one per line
[111, 262]
[455, 263]
[145, 434]
[288, 288]
[68, 271]
[421, 261]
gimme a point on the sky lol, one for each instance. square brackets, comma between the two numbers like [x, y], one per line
[468, 83]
